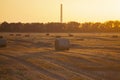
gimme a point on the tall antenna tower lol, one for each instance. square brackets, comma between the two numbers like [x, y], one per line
[61, 13]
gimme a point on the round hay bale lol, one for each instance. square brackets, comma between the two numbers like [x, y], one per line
[11, 34]
[80, 39]
[62, 44]
[18, 34]
[47, 34]
[71, 35]
[115, 36]
[3, 42]
[27, 35]
[58, 36]
[1, 37]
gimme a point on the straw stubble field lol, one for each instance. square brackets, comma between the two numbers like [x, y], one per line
[91, 57]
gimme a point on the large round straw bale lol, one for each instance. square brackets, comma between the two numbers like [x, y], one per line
[27, 35]
[3, 42]
[47, 34]
[80, 39]
[18, 34]
[70, 35]
[58, 36]
[62, 44]
[1, 37]
[115, 36]
[11, 34]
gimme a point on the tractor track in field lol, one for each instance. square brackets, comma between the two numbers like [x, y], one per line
[75, 46]
[68, 66]
[80, 58]
[36, 68]
[106, 58]
[47, 56]
[92, 74]
[72, 68]
[86, 74]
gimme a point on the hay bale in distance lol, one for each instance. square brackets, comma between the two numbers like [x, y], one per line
[80, 39]
[1, 37]
[115, 36]
[27, 35]
[62, 44]
[3, 42]
[58, 36]
[47, 34]
[70, 35]
[11, 34]
[18, 34]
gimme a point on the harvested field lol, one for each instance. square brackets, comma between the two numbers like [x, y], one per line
[91, 57]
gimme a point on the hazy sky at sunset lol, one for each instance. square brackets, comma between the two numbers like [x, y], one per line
[48, 10]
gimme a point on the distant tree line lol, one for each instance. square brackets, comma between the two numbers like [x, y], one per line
[109, 26]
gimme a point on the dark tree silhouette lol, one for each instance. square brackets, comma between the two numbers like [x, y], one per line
[109, 26]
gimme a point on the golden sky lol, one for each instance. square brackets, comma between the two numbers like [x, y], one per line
[49, 10]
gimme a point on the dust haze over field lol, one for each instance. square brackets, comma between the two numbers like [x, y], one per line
[92, 56]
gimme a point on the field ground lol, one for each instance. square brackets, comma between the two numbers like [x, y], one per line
[91, 57]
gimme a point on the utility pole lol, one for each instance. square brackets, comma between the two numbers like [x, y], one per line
[61, 13]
